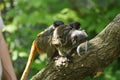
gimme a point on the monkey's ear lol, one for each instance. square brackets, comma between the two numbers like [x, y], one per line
[75, 25]
[57, 23]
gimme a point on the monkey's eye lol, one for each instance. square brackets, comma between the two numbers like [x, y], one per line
[59, 37]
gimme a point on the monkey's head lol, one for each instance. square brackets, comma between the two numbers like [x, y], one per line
[75, 25]
[57, 23]
[65, 38]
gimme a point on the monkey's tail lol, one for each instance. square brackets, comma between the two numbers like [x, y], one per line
[30, 59]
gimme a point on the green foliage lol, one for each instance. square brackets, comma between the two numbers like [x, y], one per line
[29, 17]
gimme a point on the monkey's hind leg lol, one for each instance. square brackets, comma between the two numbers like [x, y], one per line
[30, 59]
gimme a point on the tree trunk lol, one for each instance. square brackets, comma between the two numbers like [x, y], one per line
[102, 51]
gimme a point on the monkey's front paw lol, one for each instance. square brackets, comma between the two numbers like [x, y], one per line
[62, 62]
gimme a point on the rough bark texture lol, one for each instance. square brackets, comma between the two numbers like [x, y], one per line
[102, 50]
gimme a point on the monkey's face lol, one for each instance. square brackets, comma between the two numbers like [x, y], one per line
[65, 38]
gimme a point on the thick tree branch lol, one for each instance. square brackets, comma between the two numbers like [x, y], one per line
[102, 50]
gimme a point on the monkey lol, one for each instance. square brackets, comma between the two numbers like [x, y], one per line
[71, 39]
[76, 25]
[42, 44]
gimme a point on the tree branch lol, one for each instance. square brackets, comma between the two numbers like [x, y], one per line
[102, 50]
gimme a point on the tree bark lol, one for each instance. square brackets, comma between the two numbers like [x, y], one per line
[102, 51]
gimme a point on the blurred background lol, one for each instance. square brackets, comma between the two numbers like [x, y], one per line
[24, 19]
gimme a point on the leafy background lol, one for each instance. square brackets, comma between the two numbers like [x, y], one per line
[24, 19]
